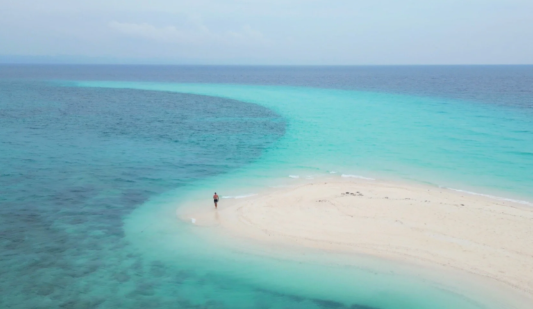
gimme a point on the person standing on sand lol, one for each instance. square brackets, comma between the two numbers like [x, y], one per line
[215, 198]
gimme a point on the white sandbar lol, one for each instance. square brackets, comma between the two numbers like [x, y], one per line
[413, 223]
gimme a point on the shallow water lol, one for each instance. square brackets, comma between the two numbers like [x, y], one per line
[441, 141]
[92, 172]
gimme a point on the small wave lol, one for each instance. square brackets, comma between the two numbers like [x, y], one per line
[294, 176]
[332, 172]
[238, 196]
[492, 196]
[356, 176]
[522, 153]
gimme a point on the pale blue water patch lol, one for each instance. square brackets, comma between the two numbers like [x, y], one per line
[445, 142]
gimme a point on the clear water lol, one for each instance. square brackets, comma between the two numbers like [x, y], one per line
[95, 159]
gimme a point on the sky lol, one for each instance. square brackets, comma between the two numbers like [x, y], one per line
[268, 32]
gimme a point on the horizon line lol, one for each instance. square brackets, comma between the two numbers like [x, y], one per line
[258, 65]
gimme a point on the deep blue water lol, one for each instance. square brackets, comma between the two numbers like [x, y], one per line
[505, 85]
[76, 159]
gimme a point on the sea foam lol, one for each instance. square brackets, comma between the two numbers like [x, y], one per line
[356, 176]
[238, 196]
[492, 197]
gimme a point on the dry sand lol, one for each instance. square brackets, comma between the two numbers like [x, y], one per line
[413, 223]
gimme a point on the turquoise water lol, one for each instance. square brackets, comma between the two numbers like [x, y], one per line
[449, 143]
[95, 161]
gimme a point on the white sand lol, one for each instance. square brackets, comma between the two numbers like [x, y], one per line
[475, 234]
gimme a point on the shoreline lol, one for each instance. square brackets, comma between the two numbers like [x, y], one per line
[480, 235]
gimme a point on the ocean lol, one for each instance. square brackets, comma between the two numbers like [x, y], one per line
[95, 160]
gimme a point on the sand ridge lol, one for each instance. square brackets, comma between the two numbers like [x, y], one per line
[477, 234]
